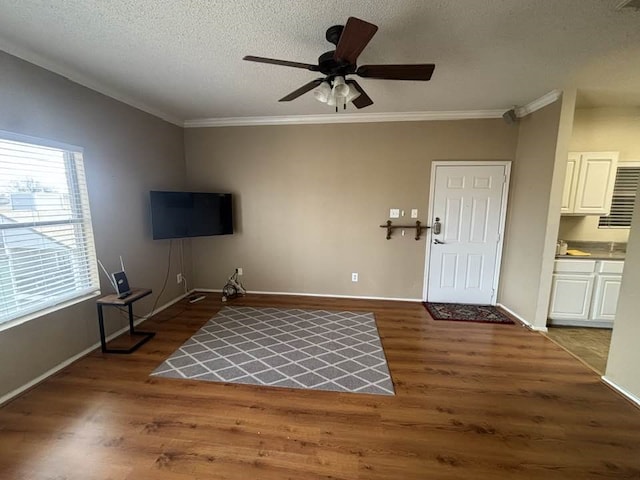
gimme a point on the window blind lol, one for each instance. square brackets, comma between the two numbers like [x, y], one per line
[47, 253]
[624, 196]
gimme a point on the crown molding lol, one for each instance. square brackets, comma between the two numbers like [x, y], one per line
[538, 103]
[80, 79]
[342, 118]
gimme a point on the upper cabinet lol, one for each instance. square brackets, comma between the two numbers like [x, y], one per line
[588, 185]
[570, 183]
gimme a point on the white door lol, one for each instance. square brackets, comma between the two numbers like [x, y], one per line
[463, 257]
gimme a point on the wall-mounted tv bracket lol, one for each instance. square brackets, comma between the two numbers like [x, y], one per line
[390, 228]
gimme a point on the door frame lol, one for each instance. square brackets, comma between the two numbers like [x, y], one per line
[503, 216]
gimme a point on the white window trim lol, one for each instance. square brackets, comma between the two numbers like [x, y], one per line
[43, 142]
[79, 297]
[46, 311]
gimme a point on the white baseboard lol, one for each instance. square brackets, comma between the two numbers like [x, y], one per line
[5, 398]
[327, 295]
[528, 324]
[630, 396]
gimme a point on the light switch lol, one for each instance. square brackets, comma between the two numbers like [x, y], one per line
[394, 213]
[414, 213]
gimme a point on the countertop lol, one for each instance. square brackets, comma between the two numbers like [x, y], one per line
[594, 256]
[598, 251]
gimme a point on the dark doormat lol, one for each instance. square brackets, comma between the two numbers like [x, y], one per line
[460, 312]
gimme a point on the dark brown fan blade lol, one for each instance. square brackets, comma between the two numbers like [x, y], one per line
[355, 36]
[397, 72]
[302, 90]
[363, 100]
[285, 63]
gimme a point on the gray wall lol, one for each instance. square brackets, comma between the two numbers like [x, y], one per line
[310, 199]
[624, 353]
[527, 217]
[127, 153]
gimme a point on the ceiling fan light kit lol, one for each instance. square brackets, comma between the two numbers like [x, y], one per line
[335, 88]
[339, 95]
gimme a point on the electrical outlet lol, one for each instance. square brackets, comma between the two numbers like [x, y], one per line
[179, 278]
[414, 213]
[239, 271]
[394, 213]
[354, 277]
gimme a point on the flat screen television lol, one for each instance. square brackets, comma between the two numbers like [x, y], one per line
[190, 214]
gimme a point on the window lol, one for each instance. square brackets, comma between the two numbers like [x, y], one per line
[47, 255]
[624, 196]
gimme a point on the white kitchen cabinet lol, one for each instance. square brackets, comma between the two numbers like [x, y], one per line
[570, 183]
[588, 187]
[585, 292]
[605, 297]
[571, 296]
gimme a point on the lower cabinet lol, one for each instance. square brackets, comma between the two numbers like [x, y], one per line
[605, 297]
[585, 292]
[571, 296]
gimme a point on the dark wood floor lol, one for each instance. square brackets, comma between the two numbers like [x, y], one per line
[473, 401]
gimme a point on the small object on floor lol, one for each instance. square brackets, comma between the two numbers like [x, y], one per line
[460, 312]
[196, 298]
[233, 288]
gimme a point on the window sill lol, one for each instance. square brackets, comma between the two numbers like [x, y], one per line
[46, 311]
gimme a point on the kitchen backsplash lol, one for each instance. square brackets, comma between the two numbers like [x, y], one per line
[586, 229]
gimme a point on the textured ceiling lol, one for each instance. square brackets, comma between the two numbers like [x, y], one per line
[183, 59]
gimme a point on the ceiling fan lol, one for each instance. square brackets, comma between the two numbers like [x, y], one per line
[335, 88]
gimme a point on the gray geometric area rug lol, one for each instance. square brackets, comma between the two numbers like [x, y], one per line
[313, 349]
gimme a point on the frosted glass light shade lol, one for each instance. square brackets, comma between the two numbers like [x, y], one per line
[322, 92]
[340, 89]
[353, 94]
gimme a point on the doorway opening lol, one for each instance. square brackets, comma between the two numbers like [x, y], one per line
[601, 183]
